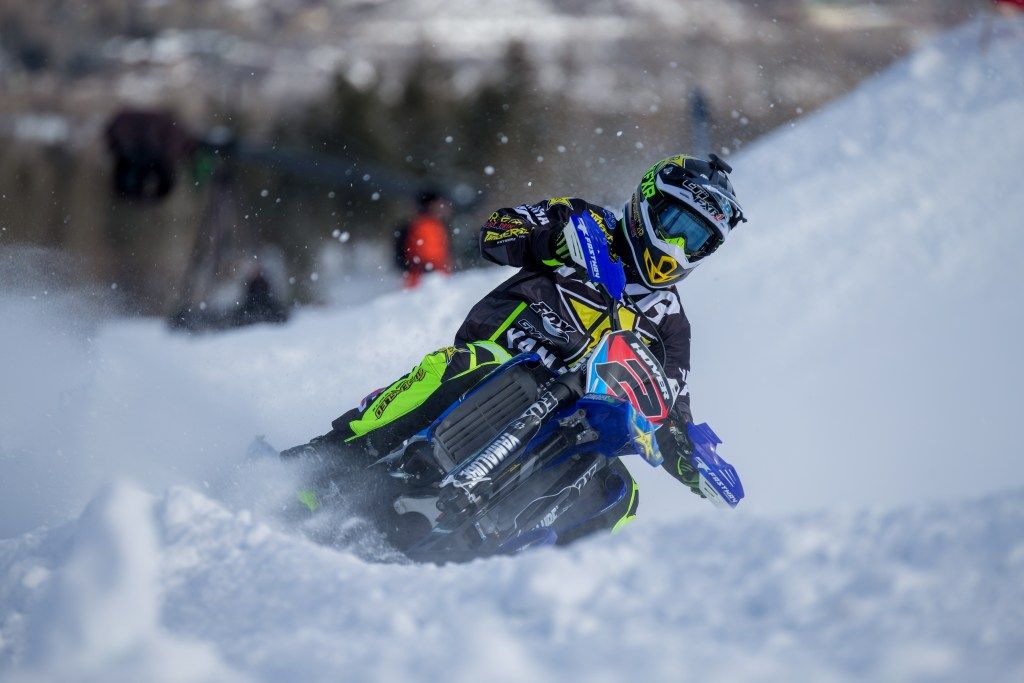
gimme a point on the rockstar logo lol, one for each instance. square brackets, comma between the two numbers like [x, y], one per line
[643, 441]
[556, 201]
[678, 160]
[593, 317]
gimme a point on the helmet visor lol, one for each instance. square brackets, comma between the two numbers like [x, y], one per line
[678, 225]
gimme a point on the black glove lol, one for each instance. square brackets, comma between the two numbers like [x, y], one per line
[677, 449]
[564, 244]
[559, 249]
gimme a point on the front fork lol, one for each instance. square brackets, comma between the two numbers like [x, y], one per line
[481, 475]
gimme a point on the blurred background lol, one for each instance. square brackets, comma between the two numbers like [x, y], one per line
[177, 151]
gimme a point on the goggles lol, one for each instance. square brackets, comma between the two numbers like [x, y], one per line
[683, 227]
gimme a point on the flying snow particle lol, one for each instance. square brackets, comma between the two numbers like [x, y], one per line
[488, 170]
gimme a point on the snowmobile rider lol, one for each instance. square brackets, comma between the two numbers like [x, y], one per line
[679, 214]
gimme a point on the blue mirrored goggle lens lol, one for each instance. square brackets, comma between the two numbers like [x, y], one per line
[676, 222]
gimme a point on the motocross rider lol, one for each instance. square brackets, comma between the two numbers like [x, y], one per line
[679, 214]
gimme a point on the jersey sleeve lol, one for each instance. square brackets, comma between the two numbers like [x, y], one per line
[675, 338]
[521, 236]
[674, 328]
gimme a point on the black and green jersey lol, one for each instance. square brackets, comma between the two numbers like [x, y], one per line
[552, 310]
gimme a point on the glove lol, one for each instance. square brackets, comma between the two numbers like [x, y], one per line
[565, 247]
[677, 449]
[688, 474]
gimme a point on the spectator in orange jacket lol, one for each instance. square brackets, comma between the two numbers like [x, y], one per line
[1009, 7]
[1005, 9]
[426, 240]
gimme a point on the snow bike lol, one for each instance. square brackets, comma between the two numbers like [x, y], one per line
[514, 463]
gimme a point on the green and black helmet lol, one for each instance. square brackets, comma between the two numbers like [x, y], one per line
[680, 213]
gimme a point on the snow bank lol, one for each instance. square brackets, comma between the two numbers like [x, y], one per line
[858, 341]
[82, 602]
[929, 593]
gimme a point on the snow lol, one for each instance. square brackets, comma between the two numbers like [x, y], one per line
[925, 594]
[95, 610]
[866, 322]
[855, 346]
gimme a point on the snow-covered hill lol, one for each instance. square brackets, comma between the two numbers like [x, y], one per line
[178, 588]
[856, 346]
[860, 338]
